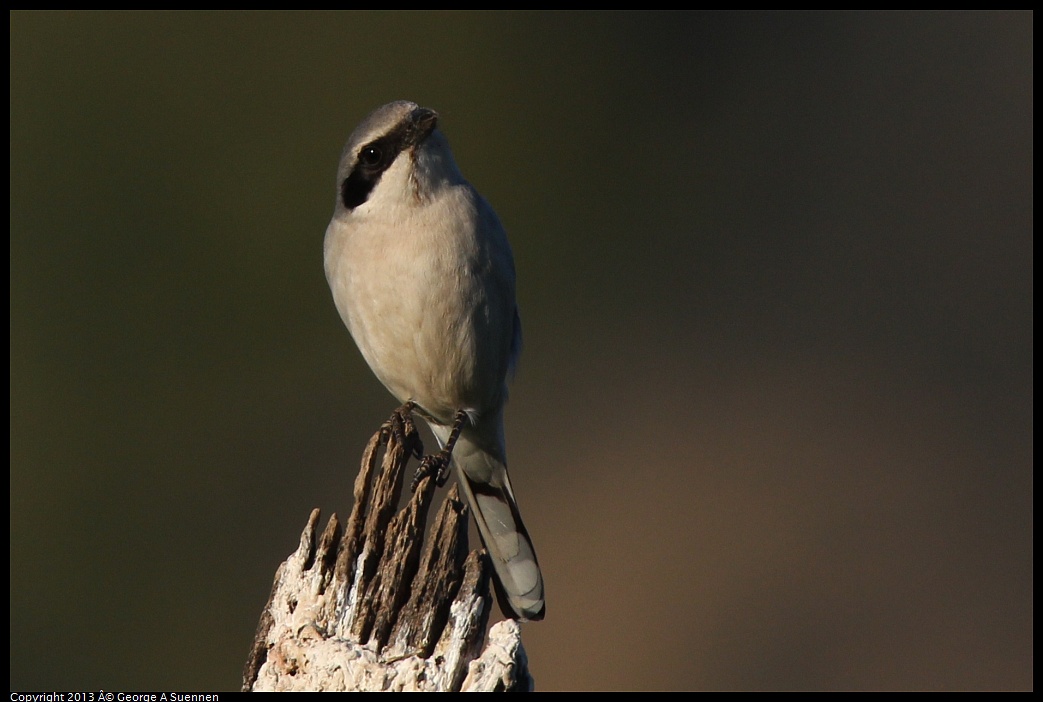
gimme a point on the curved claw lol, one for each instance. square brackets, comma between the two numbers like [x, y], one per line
[400, 425]
[436, 465]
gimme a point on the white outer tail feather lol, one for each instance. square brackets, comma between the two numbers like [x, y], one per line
[484, 480]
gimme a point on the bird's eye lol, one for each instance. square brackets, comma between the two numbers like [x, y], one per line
[371, 156]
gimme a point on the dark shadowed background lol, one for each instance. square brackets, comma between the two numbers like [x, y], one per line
[772, 424]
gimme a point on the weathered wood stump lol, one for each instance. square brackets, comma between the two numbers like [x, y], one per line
[372, 608]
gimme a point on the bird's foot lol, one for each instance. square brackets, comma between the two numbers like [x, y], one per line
[437, 465]
[400, 426]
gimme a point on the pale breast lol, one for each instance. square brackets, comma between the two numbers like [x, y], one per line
[425, 305]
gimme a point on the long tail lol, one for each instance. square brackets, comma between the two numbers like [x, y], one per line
[488, 489]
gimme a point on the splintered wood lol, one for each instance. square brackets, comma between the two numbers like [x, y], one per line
[373, 607]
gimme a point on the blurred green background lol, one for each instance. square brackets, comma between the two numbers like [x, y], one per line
[772, 425]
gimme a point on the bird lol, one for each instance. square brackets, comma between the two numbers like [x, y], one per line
[422, 275]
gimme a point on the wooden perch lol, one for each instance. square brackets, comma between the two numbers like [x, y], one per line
[372, 608]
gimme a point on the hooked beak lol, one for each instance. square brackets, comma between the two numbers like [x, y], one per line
[424, 122]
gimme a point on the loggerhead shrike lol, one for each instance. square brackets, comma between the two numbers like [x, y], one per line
[423, 277]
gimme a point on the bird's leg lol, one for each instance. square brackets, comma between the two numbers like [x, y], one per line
[400, 425]
[437, 464]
